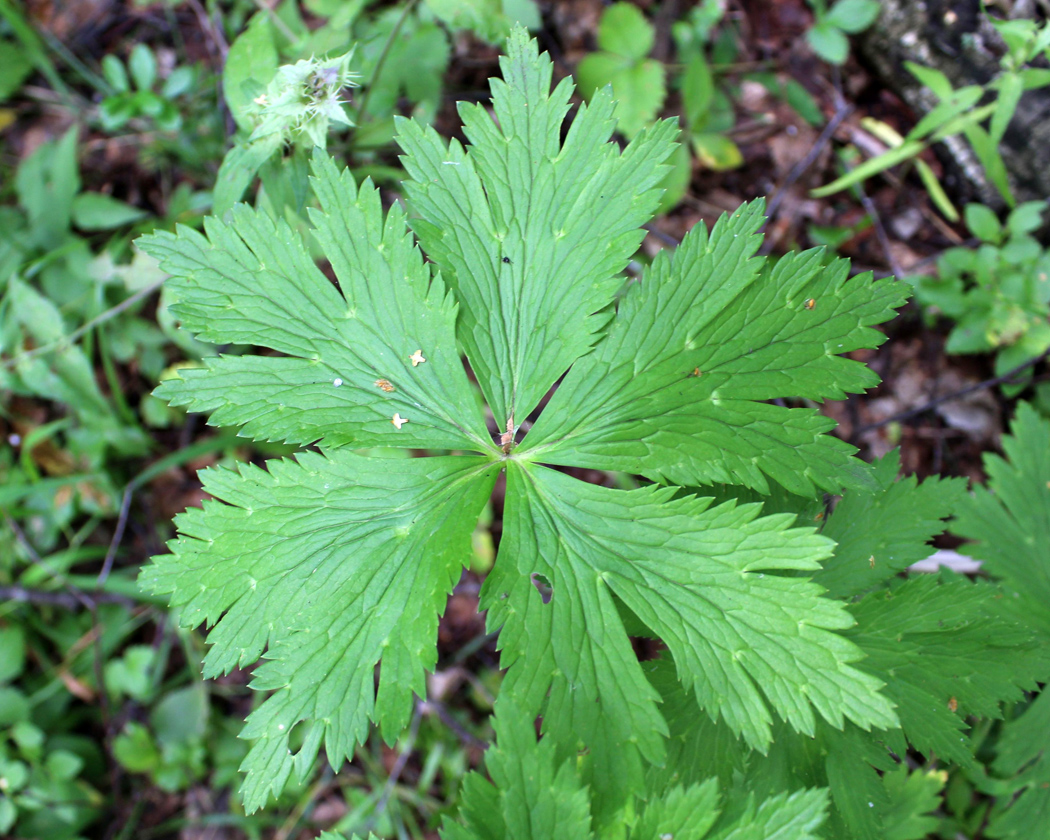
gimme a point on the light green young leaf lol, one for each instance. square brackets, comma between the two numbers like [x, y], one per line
[675, 390]
[95, 211]
[351, 373]
[638, 85]
[239, 168]
[46, 183]
[1011, 86]
[828, 42]
[143, 66]
[530, 232]
[874, 166]
[853, 16]
[934, 79]
[251, 62]
[624, 30]
[983, 223]
[331, 563]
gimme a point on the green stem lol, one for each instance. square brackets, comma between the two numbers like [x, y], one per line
[363, 108]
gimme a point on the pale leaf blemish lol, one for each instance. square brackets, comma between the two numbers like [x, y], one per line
[417, 358]
[398, 421]
[337, 382]
[384, 385]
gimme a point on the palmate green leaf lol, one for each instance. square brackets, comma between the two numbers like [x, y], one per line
[946, 650]
[331, 563]
[675, 391]
[1024, 760]
[1009, 522]
[349, 366]
[744, 638]
[530, 231]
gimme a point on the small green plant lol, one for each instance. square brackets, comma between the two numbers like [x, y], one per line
[706, 109]
[793, 660]
[959, 112]
[997, 293]
[134, 95]
[42, 789]
[625, 39]
[828, 34]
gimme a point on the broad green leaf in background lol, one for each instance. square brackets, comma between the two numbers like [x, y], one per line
[15, 67]
[252, 59]
[46, 183]
[490, 20]
[1009, 522]
[95, 211]
[828, 42]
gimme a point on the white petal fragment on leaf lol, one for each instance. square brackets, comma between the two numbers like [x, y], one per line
[743, 637]
[330, 563]
[531, 232]
[251, 281]
[675, 391]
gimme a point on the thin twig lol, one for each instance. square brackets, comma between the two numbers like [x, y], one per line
[398, 768]
[799, 168]
[65, 600]
[281, 26]
[880, 231]
[207, 25]
[987, 383]
[118, 535]
[68, 340]
[446, 718]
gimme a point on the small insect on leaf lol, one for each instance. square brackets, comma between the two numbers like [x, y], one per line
[953, 705]
[697, 372]
[384, 385]
[506, 260]
[398, 421]
[811, 303]
[417, 358]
